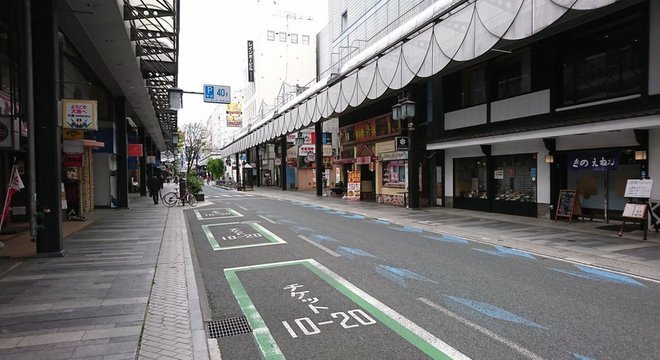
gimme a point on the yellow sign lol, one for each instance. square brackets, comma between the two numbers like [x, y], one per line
[79, 114]
[73, 134]
[234, 114]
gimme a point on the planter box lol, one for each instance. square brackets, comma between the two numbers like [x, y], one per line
[199, 197]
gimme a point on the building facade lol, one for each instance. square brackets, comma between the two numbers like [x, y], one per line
[84, 111]
[514, 101]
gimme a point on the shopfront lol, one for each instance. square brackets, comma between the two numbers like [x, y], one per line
[504, 184]
[361, 143]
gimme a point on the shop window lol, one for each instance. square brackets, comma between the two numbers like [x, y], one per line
[394, 174]
[344, 21]
[470, 178]
[515, 177]
[513, 75]
[465, 88]
[604, 62]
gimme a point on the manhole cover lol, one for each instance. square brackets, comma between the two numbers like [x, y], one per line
[228, 327]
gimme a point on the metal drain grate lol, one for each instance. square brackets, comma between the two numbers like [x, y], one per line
[228, 327]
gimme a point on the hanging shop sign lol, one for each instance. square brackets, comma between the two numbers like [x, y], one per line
[135, 150]
[304, 150]
[73, 146]
[79, 114]
[599, 161]
[402, 143]
[70, 134]
[72, 160]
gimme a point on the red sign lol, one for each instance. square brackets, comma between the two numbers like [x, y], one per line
[72, 160]
[135, 150]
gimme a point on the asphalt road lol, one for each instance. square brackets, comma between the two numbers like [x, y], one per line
[316, 283]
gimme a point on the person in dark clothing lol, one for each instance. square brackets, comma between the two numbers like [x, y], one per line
[154, 189]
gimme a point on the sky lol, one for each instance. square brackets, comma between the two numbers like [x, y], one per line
[213, 44]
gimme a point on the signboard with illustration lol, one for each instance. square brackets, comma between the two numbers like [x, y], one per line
[234, 114]
[79, 114]
[353, 185]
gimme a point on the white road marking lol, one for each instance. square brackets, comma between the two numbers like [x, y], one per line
[320, 246]
[267, 219]
[525, 352]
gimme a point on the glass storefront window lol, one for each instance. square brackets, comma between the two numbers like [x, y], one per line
[515, 177]
[394, 174]
[470, 178]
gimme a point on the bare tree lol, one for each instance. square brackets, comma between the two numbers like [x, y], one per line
[195, 141]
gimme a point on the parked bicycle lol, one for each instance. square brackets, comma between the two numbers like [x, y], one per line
[172, 198]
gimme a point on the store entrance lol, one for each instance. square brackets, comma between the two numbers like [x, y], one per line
[367, 183]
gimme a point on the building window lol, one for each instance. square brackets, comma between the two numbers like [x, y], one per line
[471, 178]
[394, 173]
[604, 62]
[282, 37]
[515, 177]
[294, 38]
[465, 88]
[344, 21]
[270, 35]
[305, 39]
[513, 75]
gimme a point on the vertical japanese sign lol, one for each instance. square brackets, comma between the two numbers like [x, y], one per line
[79, 114]
[250, 54]
[599, 161]
[353, 185]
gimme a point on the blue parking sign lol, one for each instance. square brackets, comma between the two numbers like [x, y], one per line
[219, 94]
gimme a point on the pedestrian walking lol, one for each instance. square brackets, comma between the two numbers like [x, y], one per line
[154, 188]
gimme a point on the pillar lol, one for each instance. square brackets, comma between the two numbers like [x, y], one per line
[318, 158]
[45, 50]
[142, 138]
[283, 161]
[121, 130]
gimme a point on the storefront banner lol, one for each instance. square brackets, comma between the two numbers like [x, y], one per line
[393, 155]
[72, 160]
[598, 161]
[365, 130]
[73, 146]
[79, 114]
[304, 150]
[353, 185]
[135, 150]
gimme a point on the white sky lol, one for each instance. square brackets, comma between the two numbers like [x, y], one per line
[213, 44]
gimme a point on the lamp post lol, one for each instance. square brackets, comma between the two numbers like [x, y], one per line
[405, 110]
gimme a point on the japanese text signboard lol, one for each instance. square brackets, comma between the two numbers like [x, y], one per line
[79, 114]
[599, 161]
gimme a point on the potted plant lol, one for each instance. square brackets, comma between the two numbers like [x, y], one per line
[194, 185]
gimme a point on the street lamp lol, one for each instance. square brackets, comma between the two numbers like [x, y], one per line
[300, 139]
[176, 98]
[405, 110]
[175, 138]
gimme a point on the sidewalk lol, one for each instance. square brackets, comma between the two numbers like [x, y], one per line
[124, 289]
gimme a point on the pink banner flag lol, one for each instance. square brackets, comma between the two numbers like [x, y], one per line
[15, 185]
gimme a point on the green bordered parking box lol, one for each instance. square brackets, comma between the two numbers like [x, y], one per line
[239, 235]
[211, 214]
[368, 311]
